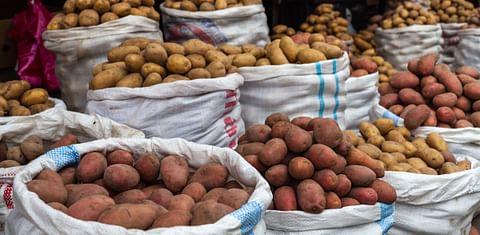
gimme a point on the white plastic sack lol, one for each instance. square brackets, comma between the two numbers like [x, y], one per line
[468, 49]
[435, 204]
[361, 94]
[460, 140]
[51, 128]
[79, 49]
[59, 106]
[398, 46]
[450, 42]
[204, 111]
[315, 90]
[352, 220]
[236, 25]
[32, 216]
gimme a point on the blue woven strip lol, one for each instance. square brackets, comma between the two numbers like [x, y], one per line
[321, 88]
[249, 215]
[337, 90]
[390, 115]
[387, 213]
[64, 156]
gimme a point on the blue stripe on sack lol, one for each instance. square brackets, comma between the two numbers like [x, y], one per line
[64, 156]
[390, 115]
[318, 68]
[387, 213]
[337, 90]
[249, 215]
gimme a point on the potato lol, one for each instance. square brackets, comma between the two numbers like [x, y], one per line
[173, 48]
[139, 42]
[448, 168]
[330, 51]
[364, 195]
[198, 73]
[70, 20]
[84, 4]
[68, 139]
[101, 6]
[56, 22]
[326, 131]
[174, 172]
[258, 133]
[431, 90]
[133, 3]
[365, 63]
[446, 115]
[134, 63]
[475, 119]
[196, 46]
[434, 140]
[149, 68]
[276, 56]
[107, 78]
[108, 16]
[181, 202]
[120, 157]
[216, 69]
[245, 59]
[273, 118]
[8, 163]
[91, 167]
[285, 199]
[289, 48]
[357, 157]
[468, 70]
[416, 117]
[154, 52]
[197, 61]
[410, 96]
[263, 62]
[118, 54]
[297, 139]
[327, 179]
[432, 157]
[210, 175]
[152, 79]
[277, 175]
[234, 198]
[148, 166]
[417, 163]
[130, 196]
[195, 190]
[404, 79]
[426, 64]
[38, 108]
[68, 175]
[161, 196]
[88, 17]
[139, 216]
[32, 147]
[132, 80]
[300, 168]
[348, 201]
[311, 198]
[273, 152]
[15, 89]
[207, 6]
[14, 153]
[359, 73]
[359, 175]
[389, 100]
[121, 9]
[69, 6]
[49, 175]
[321, 156]
[89, 208]
[48, 191]
[448, 79]
[448, 99]
[340, 164]
[58, 206]
[120, 177]
[464, 165]
[208, 212]
[172, 218]
[385, 192]
[471, 90]
[392, 147]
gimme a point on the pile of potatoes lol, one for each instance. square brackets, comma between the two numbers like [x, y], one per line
[83, 13]
[29, 149]
[326, 21]
[124, 190]
[363, 65]
[453, 11]
[429, 94]
[399, 151]
[17, 98]
[311, 165]
[141, 62]
[407, 14]
[210, 5]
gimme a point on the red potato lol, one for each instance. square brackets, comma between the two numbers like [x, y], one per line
[348, 201]
[69, 139]
[297, 139]
[280, 129]
[234, 198]
[120, 157]
[431, 90]
[404, 79]
[148, 166]
[58, 206]
[258, 133]
[277, 175]
[327, 179]
[465, 79]
[468, 70]
[364, 195]
[326, 131]
[130, 196]
[79, 191]
[472, 90]
[386, 193]
[161, 196]
[446, 115]
[428, 80]
[448, 99]
[91, 207]
[463, 124]
[301, 122]
[321, 156]
[149, 189]
[300, 168]
[397, 109]
[385, 88]
[213, 194]
[210, 175]
[426, 64]
[448, 79]
[255, 162]
[285, 199]
[273, 152]
[413, 65]
[407, 109]
[181, 202]
[48, 191]
[195, 191]
[360, 175]
[464, 104]
[208, 212]
[50, 175]
[250, 148]
[339, 166]
[129, 216]
[121, 177]
[91, 167]
[233, 184]
[459, 114]
[172, 218]
[273, 118]
[332, 201]
[68, 175]
[311, 197]
[410, 96]
[389, 100]
[174, 172]
[416, 117]
[343, 185]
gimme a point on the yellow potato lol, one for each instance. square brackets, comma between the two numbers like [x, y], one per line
[88, 17]
[148, 68]
[434, 140]
[134, 63]
[107, 78]
[108, 16]
[34, 96]
[243, 60]
[198, 73]
[197, 60]
[178, 64]
[289, 48]
[69, 6]
[70, 20]
[173, 48]
[121, 9]
[101, 6]
[84, 4]
[154, 52]
[139, 42]
[132, 80]
[174, 78]
[216, 69]
[308, 55]
[384, 125]
[118, 54]
[368, 130]
[152, 79]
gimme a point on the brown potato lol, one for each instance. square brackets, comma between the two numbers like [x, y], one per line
[148, 166]
[49, 175]
[139, 216]
[161, 196]
[208, 212]
[181, 202]
[216, 69]
[359, 175]
[121, 9]
[88, 17]
[91, 167]
[32, 147]
[277, 175]
[108, 16]
[130, 196]
[120, 177]
[327, 179]
[89, 208]
[48, 191]
[79, 191]
[195, 190]
[84, 4]
[8, 163]
[311, 198]
[68, 175]
[234, 198]
[210, 175]
[101, 6]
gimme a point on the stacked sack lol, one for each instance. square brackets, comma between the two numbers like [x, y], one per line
[191, 86]
[433, 96]
[312, 168]
[215, 22]
[408, 32]
[467, 45]
[85, 30]
[141, 184]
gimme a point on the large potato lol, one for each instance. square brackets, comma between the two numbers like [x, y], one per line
[89, 208]
[88, 17]
[208, 212]
[210, 175]
[91, 167]
[178, 64]
[120, 177]
[48, 191]
[107, 78]
[311, 196]
[148, 166]
[139, 216]
[174, 172]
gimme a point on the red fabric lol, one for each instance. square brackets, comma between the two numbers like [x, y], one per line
[35, 63]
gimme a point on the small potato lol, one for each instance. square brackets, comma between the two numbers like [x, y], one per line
[139, 216]
[464, 165]
[69, 6]
[172, 218]
[428, 171]
[133, 3]
[330, 51]
[34, 96]
[263, 62]
[311, 198]
[70, 20]
[210, 175]
[89, 208]
[434, 140]
[88, 17]
[48, 191]
[91, 167]
[327, 179]
[15, 153]
[121, 9]
[198, 73]
[321, 156]
[120, 177]
[132, 80]
[107, 78]
[276, 56]
[392, 147]
[173, 48]
[432, 157]
[285, 199]
[108, 16]
[365, 63]
[468, 70]
[148, 166]
[448, 168]
[56, 22]
[277, 175]
[38, 108]
[149, 68]
[255, 162]
[339, 166]
[139, 42]
[208, 212]
[196, 46]
[152, 79]
[118, 54]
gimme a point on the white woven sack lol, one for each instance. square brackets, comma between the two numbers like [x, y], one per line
[204, 111]
[450, 42]
[435, 204]
[32, 216]
[361, 93]
[398, 46]
[351, 220]
[468, 49]
[59, 106]
[51, 128]
[79, 49]
[460, 140]
[315, 90]
[236, 25]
